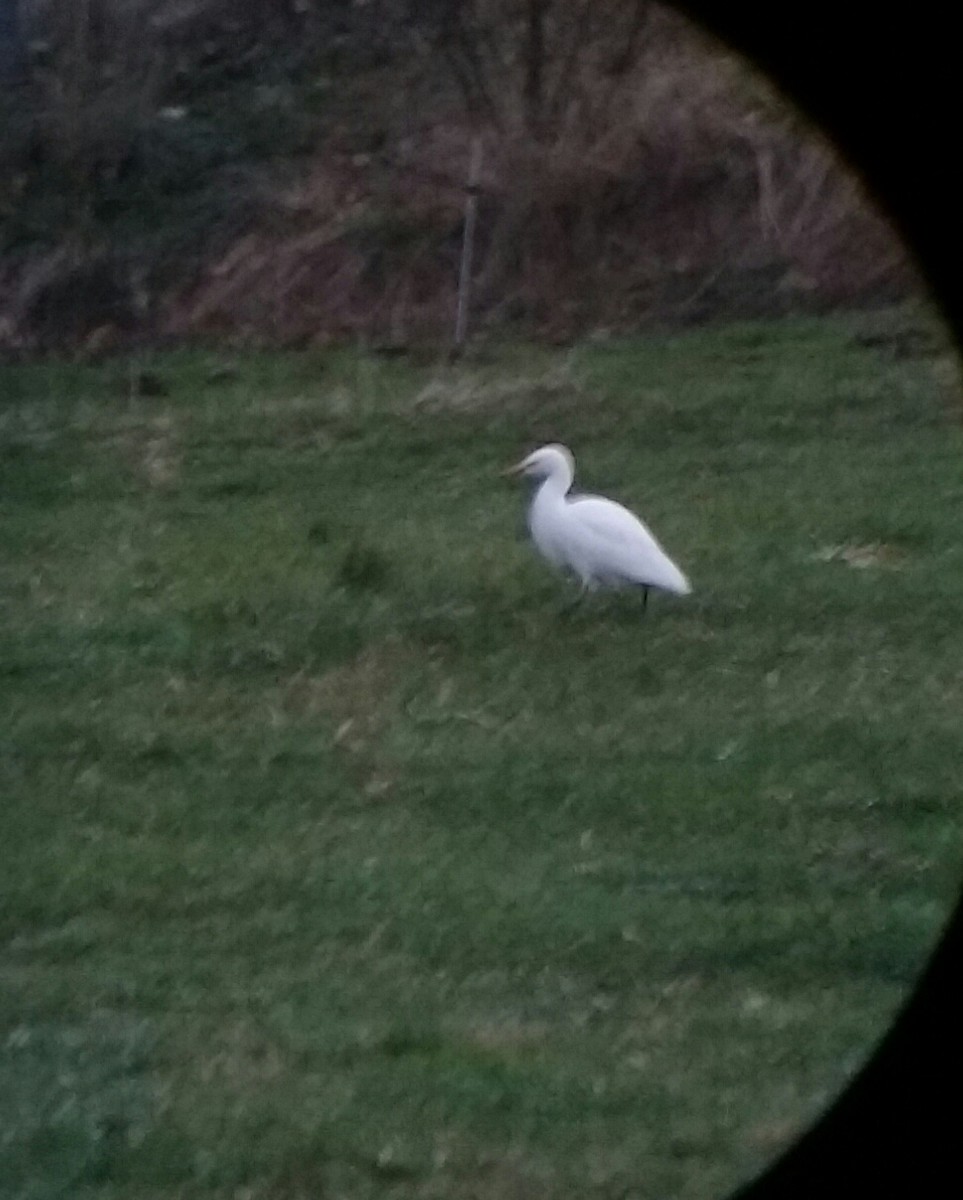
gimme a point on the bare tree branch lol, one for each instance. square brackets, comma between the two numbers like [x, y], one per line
[459, 44]
[628, 54]
[577, 40]
[534, 86]
[625, 58]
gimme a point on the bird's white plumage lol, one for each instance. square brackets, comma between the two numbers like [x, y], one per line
[599, 541]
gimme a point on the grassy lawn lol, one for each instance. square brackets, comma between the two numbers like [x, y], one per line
[340, 860]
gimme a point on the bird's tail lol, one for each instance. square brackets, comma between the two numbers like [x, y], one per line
[671, 579]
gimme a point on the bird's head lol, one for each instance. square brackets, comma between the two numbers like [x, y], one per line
[545, 463]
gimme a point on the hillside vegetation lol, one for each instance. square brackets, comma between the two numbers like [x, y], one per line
[294, 172]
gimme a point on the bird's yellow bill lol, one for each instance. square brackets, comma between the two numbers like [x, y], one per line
[515, 470]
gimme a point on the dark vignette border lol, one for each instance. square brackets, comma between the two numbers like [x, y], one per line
[884, 83]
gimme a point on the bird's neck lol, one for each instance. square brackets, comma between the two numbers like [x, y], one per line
[553, 490]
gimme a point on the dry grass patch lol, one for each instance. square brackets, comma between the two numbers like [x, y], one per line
[151, 449]
[559, 387]
[240, 1059]
[358, 701]
[509, 1036]
[872, 554]
[360, 692]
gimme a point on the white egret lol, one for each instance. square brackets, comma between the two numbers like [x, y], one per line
[597, 540]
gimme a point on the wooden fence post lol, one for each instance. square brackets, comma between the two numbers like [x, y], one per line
[467, 245]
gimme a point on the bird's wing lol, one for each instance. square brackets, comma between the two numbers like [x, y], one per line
[612, 522]
[620, 545]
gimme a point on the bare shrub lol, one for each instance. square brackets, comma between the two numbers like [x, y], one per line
[634, 165]
[68, 295]
[345, 254]
[813, 211]
[97, 81]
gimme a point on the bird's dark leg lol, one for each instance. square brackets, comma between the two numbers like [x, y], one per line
[645, 598]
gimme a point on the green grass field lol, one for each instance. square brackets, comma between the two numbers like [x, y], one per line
[342, 860]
